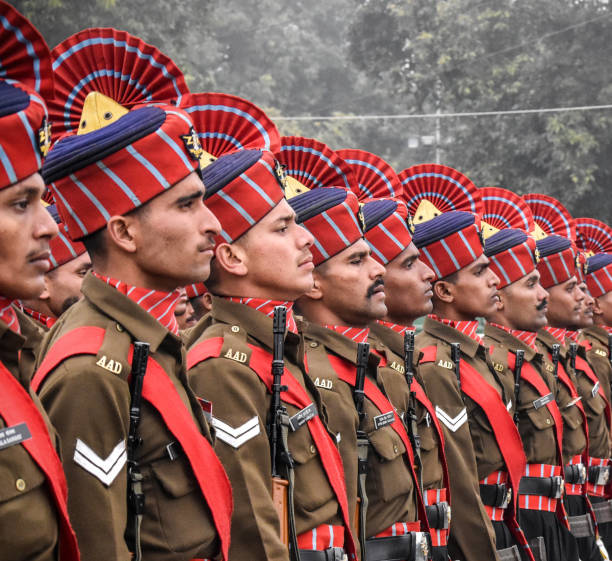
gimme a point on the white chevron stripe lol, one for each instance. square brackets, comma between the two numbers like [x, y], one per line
[236, 437]
[106, 470]
[453, 423]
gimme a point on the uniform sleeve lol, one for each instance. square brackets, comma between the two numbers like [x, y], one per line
[239, 410]
[471, 535]
[90, 409]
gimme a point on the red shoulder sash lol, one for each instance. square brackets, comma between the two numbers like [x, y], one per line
[347, 373]
[533, 378]
[159, 391]
[585, 367]
[16, 407]
[296, 395]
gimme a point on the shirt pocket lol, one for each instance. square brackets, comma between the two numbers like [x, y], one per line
[388, 473]
[173, 496]
[536, 428]
[28, 520]
[312, 488]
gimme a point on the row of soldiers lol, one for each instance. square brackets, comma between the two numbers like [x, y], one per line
[299, 418]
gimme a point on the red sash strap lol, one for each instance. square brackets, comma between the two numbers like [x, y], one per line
[565, 380]
[533, 378]
[296, 395]
[506, 433]
[159, 391]
[399, 529]
[425, 402]
[322, 537]
[495, 478]
[347, 373]
[17, 407]
[598, 490]
[585, 367]
[439, 538]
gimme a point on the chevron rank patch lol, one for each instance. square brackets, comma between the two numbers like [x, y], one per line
[452, 423]
[236, 436]
[105, 469]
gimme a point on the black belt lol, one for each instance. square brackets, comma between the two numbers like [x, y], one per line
[497, 495]
[438, 515]
[410, 547]
[330, 554]
[575, 474]
[599, 475]
[551, 487]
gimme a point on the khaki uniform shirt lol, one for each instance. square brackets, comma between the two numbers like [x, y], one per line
[472, 452]
[33, 333]
[391, 345]
[28, 519]
[574, 439]
[88, 400]
[536, 426]
[240, 407]
[389, 484]
[594, 408]
[597, 356]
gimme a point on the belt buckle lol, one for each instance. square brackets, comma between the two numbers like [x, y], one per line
[558, 486]
[603, 475]
[507, 498]
[421, 546]
[338, 554]
[447, 515]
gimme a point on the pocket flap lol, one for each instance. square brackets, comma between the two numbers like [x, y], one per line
[540, 418]
[175, 477]
[387, 443]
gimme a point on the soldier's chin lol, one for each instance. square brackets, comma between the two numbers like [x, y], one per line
[24, 287]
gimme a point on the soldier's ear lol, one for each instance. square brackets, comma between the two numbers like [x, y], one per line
[597, 311]
[316, 292]
[499, 305]
[121, 231]
[444, 291]
[232, 258]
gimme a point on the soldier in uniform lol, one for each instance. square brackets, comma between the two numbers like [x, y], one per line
[594, 350]
[69, 263]
[554, 231]
[388, 231]
[347, 295]
[34, 524]
[263, 260]
[131, 192]
[483, 447]
[512, 329]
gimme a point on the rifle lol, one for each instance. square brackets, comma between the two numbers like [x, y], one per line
[363, 352]
[556, 350]
[518, 367]
[280, 457]
[456, 358]
[411, 417]
[573, 351]
[135, 495]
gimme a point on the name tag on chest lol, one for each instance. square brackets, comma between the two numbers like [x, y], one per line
[10, 436]
[302, 417]
[383, 420]
[542, 401]
[595, 389]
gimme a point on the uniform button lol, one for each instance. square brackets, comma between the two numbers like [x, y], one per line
[548, 421]
[235, 328]
[395, 448]
[119, 328]
[20, 484]
[314, 344]
[312, 449]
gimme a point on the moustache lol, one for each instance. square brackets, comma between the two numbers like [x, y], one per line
[375, 285]
[542, 305]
